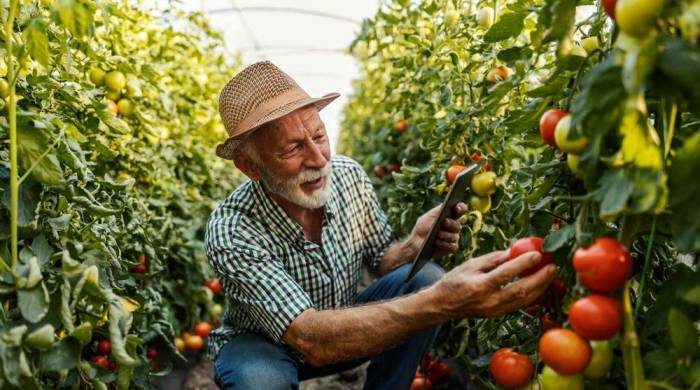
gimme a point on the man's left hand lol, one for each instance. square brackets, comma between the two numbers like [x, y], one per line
[447, 238]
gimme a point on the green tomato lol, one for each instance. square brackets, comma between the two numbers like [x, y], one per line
[97, 76]
[601, 361]
[126, 107]
[4, 89]
[573, 161]
[551, 380]
[484, 183]
[482, 204]
[589, 44]
[3, 68]
[484, 17]
[637, 17]
[564, 143]
[451, 18]
[577, 50]
[133, 90]
[114, 95]
[115, 80]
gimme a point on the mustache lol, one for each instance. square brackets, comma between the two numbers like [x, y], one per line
[311, 174]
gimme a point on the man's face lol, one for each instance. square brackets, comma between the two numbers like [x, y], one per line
[293, 158]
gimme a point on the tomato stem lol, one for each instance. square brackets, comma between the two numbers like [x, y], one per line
[645, 268]
[12, 118]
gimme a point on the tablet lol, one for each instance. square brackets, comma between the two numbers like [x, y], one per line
[458, 193]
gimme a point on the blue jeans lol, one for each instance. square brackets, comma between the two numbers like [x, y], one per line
[252, 362]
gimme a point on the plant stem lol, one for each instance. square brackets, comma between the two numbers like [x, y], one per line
[670, 128]
[12, 117]
[645, 267]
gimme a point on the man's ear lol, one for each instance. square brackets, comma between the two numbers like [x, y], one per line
[246, 166]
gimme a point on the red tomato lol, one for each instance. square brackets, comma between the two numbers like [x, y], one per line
[565, 351]
[112, 365]
[529, 244]
[100, 360]
[202, 329]
[548, 122]
[214, 285]
[139, 269]
[476, 157]
[104, 347]
[549, 323]
[510, 369]
[142, 258]
[604, 266]
[400, 126]
[393, 167]
[596, 317]
[438, 372]
[453, 171]
[379, 171]
[151, 353]
[609, 7]
[421, 384]
[533, 309]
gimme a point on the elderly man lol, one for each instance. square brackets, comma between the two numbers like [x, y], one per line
[289, 244]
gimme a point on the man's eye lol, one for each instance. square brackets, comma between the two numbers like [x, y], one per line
[319, 137]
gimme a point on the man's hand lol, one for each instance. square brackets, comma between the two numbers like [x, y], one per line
[484, 287]
[447, 238]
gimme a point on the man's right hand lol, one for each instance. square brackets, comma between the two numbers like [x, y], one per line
[484, 287]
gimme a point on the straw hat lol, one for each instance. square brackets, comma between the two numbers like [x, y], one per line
[260, 93]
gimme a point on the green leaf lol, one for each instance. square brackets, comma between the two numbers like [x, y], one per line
[693, 295]
[559, 238]
[31, 145]
[685, 195]
[562, 13]
[681, 63]
[62, 356]
[639, 63]
[509, 25]
[684, 336]
[33, 303]
[74, 15]
[615, 189]
[37, 41]
[41, 338]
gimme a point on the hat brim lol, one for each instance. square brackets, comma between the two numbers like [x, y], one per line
[225, 150]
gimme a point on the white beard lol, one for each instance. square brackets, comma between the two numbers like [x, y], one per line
[290, 188]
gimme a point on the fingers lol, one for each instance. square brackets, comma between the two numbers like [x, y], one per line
[447, 246]
[451, 225]
[447, 236]
[509, 270]
[459, 209]
[526, 290]
[488, 261]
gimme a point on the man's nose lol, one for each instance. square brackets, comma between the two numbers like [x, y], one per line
[314, 156]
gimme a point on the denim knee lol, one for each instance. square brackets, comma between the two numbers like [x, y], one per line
[428, 275]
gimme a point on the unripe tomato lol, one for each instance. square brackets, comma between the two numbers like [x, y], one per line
[202, 329]
[421, 384]
[451, 18]
[573, 161]
[453, 171]
[97, 76]
[484, 183]
[4, 89]
[180, 344]
[115, 80]
[596, 317]
[126, 107]
[609, 7]
[217, 310]
[637, 17]
[601, 361]
[565, 351]
[104, 347]
[530, 244]
[510, 369]
[3, 68]
[100, 360]
[499, 73]
[548, 122]
[604, 266]
[214, 285]
[194, 343]
[379, 171]
[151, 353]
[186, 335]
[564, 143]
[114, 95]
[481, 204]
[400, 126]
[484, 17]
[551, 380]
[111, 107]
[589, 44]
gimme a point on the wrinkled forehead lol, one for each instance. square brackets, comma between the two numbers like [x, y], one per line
[291, 128]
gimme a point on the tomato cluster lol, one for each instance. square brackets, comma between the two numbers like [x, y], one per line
[431, 372]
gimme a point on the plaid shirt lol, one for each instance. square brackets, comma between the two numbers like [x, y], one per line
[271, 273]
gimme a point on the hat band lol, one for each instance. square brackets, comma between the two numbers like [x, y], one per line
[266, 107]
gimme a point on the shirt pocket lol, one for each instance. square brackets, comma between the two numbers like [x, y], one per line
[311, 277]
